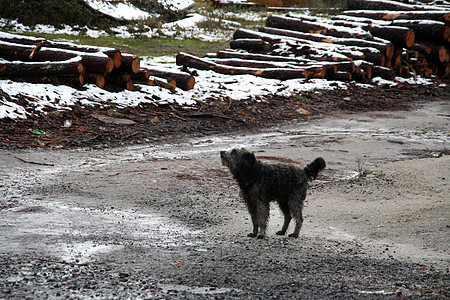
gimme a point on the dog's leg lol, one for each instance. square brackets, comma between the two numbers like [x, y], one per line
[253, 211]
[296, 206]
[255, 225]
[263, 218]
[287, 217]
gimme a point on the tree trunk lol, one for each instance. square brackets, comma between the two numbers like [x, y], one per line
[256, 45]
[74, 80]
[19, 69]
[183, 80]
[383, 72]
[297, 24]
[27, 40]
[387, 49]
[400, 36]
[94, 62]
[426, 30]
[282, 74]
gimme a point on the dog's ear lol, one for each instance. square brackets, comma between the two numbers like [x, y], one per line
[249, 158]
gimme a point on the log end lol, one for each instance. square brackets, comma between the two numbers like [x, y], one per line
[410, 37]
[109, 66]
[135, 64]
[117, 58]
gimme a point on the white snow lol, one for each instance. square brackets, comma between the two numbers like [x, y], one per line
[119, 10]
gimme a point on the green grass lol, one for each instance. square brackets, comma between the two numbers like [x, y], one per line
[142, 46]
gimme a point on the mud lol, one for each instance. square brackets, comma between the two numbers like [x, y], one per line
[165, 221]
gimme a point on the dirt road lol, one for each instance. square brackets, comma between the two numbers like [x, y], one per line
[165, 221]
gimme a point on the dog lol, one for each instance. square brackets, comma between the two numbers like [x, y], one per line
[261, 183]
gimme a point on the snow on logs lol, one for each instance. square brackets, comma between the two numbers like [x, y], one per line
[38, 60]
[403, 40]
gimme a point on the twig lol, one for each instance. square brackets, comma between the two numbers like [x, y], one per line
[33, 162]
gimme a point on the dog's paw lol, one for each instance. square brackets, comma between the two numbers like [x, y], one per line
[293, 235]
[260, 237]
[281, 232]
[251, 234]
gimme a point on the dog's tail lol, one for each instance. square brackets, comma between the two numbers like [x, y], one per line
[313, 169]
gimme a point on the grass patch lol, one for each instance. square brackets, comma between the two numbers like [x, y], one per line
[142, 46]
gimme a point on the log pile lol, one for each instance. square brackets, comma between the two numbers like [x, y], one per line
[37, 60]
[396, 39]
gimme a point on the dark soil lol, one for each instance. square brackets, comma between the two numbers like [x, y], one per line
[86, 126]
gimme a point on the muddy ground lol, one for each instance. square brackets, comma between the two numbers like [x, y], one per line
[163, 219]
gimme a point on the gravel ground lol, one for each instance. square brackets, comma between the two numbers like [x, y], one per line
[165, 221]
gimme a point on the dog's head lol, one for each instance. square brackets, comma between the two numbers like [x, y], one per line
[238, 160]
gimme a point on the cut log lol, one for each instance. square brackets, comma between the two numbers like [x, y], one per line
[183, 80]
[94, 62]
[297, 24]
[282, 74]
[27, 40]
[386, 48]
[239, 4]
[236, 62]
[385, 5]
[330, 66]
[141, 75]
[19, 69]
[116, 82]
[312, 50]
[74, 80]
[254, 45]
[400, 36]
[426, 30]
[97, 79]
[442, 16]
[439, 54]
[383, 72]
[341, 76]
[421, 48]
[167, 85]
[130, 64]
[262, 57]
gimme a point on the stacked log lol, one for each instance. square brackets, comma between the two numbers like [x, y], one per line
[408, 40]
[38, 60]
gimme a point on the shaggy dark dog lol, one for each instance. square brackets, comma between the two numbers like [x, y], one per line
[262, 183]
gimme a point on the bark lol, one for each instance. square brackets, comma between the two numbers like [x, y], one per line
[421, 48]
[19, 69]
[256, 45]
[441, 16]
[385, 5]
[94, 62]
[386, 48]
[183, 80]
[282, 74]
